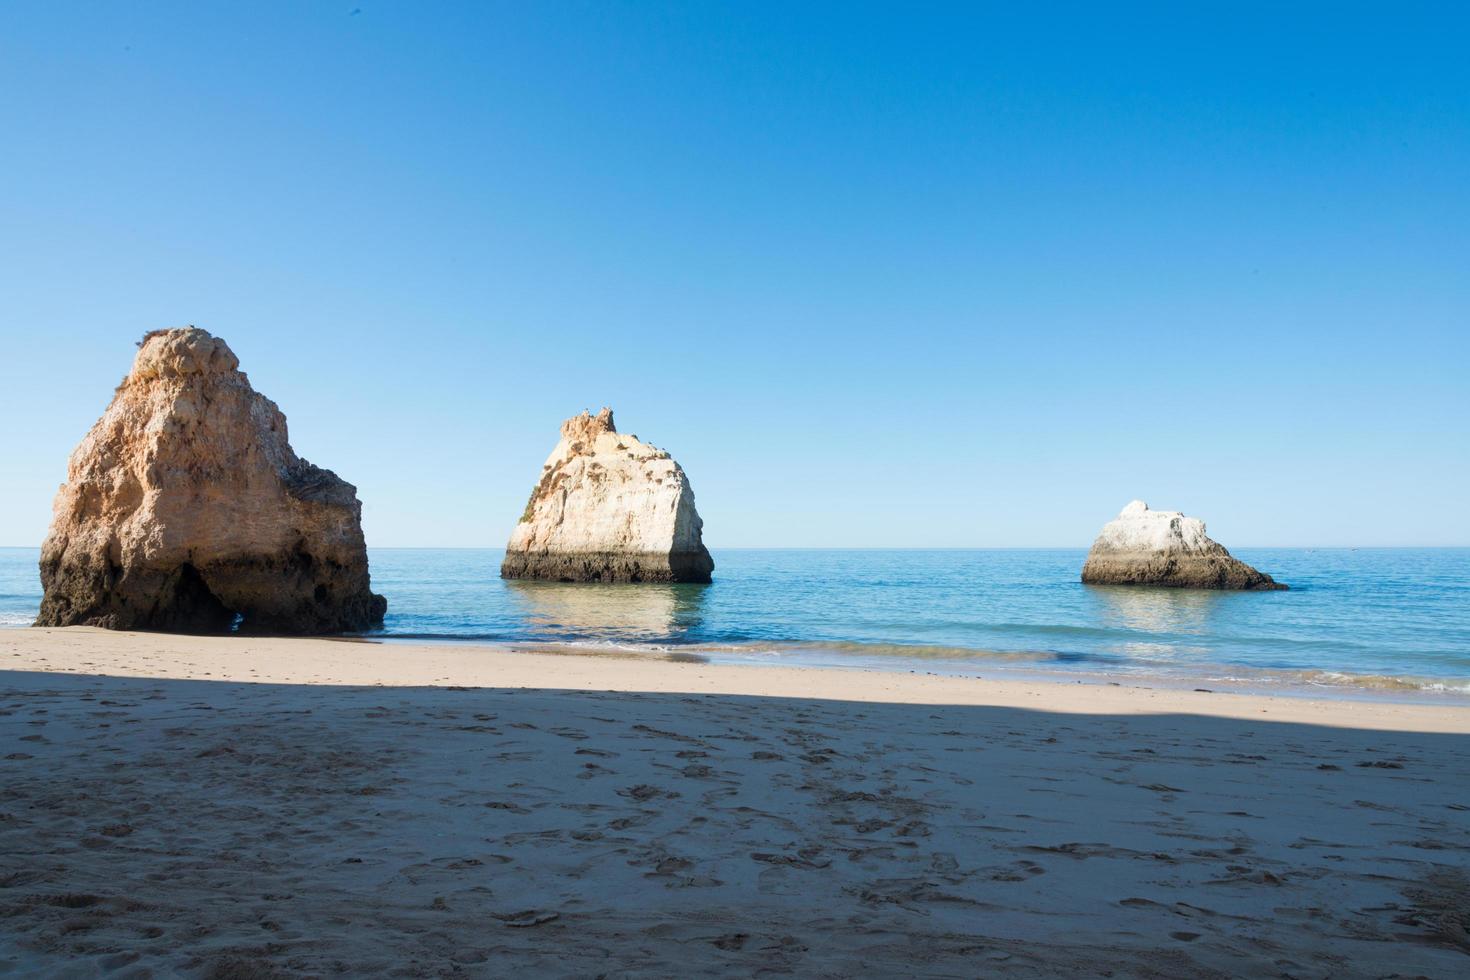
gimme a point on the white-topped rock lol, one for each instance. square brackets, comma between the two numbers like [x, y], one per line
[1163, 547]
[608, 508]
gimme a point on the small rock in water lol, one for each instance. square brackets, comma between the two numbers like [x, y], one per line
[1163, 547]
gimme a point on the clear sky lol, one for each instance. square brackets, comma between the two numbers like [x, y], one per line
[898, 275]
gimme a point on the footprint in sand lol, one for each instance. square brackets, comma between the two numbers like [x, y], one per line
[528, 918]
[627, 823]
[731, 942]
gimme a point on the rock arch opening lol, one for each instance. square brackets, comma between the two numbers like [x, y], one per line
[194, 608]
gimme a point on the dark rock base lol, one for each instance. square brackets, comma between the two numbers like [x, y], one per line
[609, 566]
[1205, 572]
[292, 594]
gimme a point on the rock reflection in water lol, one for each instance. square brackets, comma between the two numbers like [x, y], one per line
[643, 613]
[1158, 610]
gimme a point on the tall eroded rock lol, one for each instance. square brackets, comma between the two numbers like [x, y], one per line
[1163, 547]
[608, 508]
[184, 509]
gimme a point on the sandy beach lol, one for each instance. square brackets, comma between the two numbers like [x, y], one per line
[237, 807]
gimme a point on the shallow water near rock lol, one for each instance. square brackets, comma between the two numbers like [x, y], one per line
[1390, 621]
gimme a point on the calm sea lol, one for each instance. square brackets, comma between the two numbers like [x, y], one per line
[1394, 620]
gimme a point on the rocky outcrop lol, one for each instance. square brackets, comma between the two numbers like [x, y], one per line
[608, 508]
[1163, 547]
[184, 509]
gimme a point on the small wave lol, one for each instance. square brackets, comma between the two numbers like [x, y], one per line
[1383, 682]
[852, 649]
[1333, 680]
[421, 636]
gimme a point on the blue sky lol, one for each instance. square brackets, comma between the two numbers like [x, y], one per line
[887, 276]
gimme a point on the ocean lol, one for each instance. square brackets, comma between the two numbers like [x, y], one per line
[1356, 622]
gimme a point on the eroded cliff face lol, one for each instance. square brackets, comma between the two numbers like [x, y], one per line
[185, 510]
[608, 508]
[1163, 547]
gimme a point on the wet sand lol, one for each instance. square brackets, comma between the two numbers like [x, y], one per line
[254, 808]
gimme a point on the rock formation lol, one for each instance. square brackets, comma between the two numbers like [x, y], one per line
[184, 509]
[608, 508]
[1163, 547]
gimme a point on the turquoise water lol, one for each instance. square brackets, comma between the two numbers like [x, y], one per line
[1354, 620]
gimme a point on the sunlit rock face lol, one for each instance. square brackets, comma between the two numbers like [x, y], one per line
[185, 510]
[1163, 547]
[608, 508]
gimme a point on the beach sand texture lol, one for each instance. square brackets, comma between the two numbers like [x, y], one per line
[235, 807]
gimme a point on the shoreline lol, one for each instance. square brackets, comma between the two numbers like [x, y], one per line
[372, 662]
[995, 665]
[984, 665]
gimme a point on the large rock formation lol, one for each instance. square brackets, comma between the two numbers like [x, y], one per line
[184, 509]
[1163, 547]
[608, 509]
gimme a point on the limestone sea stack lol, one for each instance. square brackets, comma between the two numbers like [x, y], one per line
[185, 510]
[608, 508]
[1163, 547]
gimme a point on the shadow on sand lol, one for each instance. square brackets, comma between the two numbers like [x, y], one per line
[233, 830]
